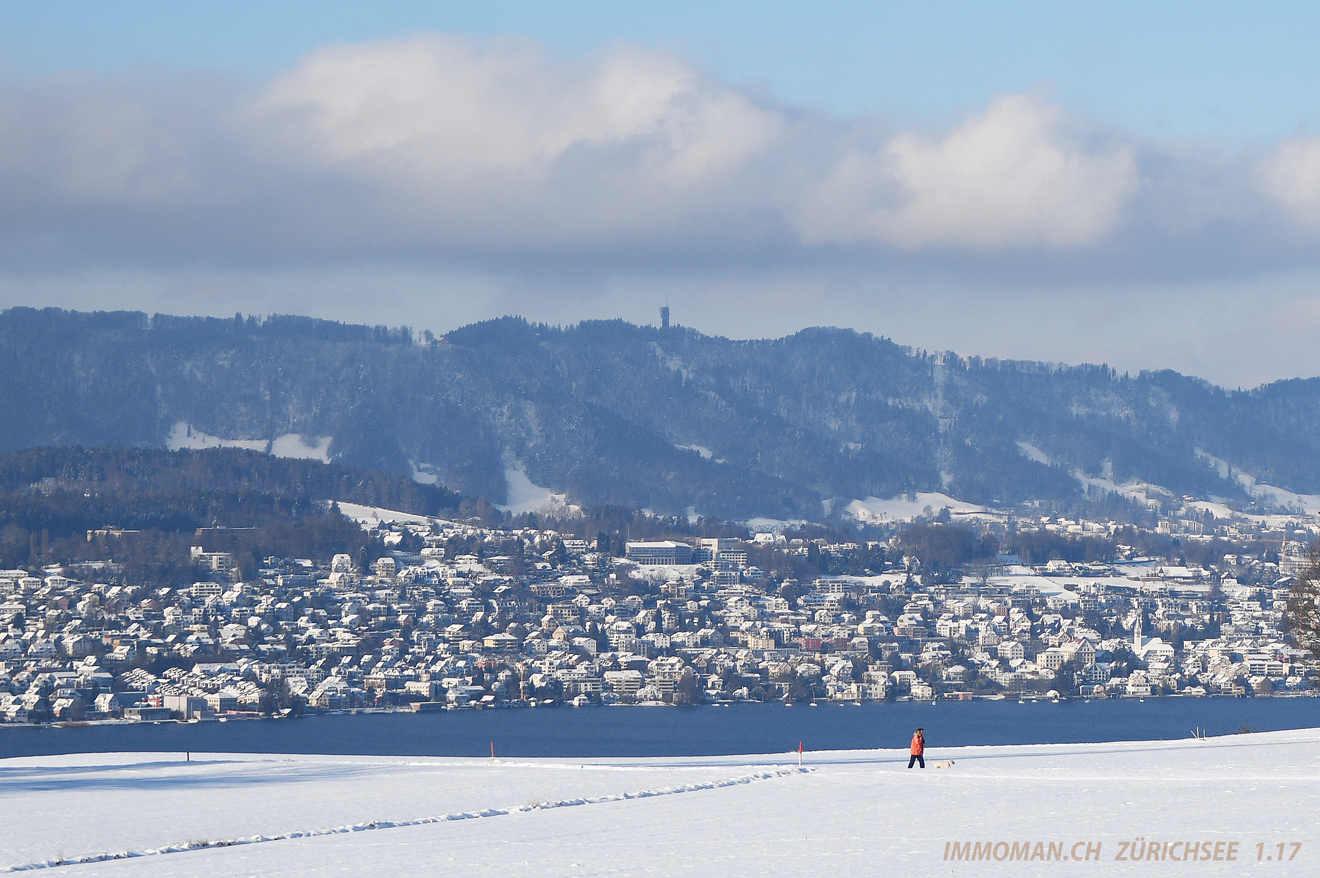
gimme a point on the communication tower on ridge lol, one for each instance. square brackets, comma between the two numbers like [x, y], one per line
[664, 316]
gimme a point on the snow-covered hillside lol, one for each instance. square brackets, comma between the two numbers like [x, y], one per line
[845, 813]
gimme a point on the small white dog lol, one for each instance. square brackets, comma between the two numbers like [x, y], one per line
[942, 764]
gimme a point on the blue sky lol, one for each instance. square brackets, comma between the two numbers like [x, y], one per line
[1131, 183]
[1235, 72]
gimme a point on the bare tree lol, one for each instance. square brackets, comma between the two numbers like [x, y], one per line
[1304, 603]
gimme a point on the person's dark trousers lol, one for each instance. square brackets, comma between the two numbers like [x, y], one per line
[920, 759]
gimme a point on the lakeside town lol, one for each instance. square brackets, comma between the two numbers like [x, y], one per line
[459, 615]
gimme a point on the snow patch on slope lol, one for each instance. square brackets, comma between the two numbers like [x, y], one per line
[290, 445]
[182, 436]
[424, 473]
[1217, 510]
[1033, 453]
[527, 496]
[374, 516]
[906, 507]
[1309, 503]
[1142, 492]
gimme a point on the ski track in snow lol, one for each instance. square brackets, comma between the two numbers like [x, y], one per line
[186, 847]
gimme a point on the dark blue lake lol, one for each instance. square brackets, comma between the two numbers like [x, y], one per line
[702, 731]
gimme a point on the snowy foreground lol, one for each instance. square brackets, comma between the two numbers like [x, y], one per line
[843, 813]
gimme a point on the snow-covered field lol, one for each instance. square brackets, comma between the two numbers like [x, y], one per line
[374, 516]
[906, 507]
[182, 435]
[845, 813]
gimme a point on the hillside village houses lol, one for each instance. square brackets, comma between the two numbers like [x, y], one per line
[482, 618]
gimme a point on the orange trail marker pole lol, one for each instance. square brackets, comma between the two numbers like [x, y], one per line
[492, 749]
[799, 754]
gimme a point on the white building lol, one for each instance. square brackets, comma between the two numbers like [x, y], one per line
[659, 553]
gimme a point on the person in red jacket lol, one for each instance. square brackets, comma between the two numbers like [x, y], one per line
[918, 748]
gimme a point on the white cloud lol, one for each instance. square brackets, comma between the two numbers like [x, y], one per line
[439, 109]
[1012, 177]
[1291, 175]
[499, 139]
[442, 143]
[469, 154]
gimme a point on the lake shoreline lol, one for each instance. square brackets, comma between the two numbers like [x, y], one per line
[736, 729]
[518, 706]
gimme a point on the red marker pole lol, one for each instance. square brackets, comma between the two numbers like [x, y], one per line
[492, 750]
[799, 754]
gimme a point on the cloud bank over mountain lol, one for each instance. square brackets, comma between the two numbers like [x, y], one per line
[495, 157]
[440, 144]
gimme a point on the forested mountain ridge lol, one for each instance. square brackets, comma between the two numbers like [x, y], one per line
[666, 419]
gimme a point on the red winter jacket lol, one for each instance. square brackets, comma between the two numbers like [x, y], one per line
[918, 745]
